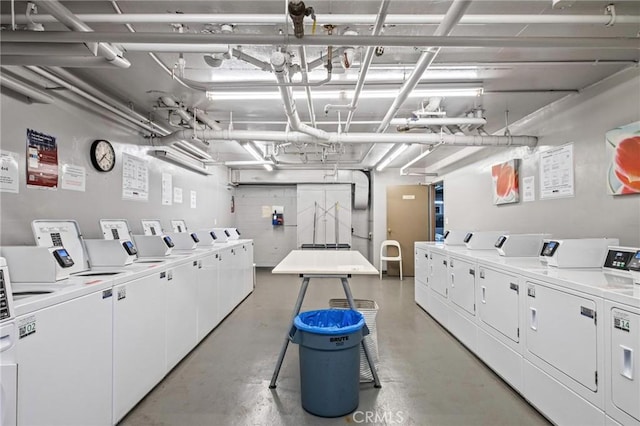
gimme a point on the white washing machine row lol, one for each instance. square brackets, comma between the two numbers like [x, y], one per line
[549, 332]
[93, 346]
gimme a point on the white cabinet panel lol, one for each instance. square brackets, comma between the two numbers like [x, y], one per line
[561, 330]
[462, 284]
[181, 320]
[438, 273]
[225, 282]
[139, 359]
[64, 368]
[208, 312]
[498, 302]
[422, 295]
[625, 361]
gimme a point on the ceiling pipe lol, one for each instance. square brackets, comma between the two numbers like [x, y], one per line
[437, 121]
[239, 54]
[455, 12]
[174, 48]
[279, 62]
[366, 62]
[335, 19]
[628, 43]
[64, 15]
[127, 116]
[305, 79]
[31, 93]
[55, 61]
[297, 137]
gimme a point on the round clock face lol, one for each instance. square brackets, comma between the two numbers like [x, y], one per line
[103, 156]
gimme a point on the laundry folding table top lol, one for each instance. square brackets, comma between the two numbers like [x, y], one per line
[338, 264]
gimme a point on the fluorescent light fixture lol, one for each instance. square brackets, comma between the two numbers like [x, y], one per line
[247, 163]
[344, 94]
[193, 150]
[391, 155]
[174, 157]
[403, 169]
[253, 150]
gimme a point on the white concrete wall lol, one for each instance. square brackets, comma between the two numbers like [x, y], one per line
[75, 130]
[583, 119]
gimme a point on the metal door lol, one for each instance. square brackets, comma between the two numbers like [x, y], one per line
[438, 273]
[561, 330]
[625, 361]
[462, 284]
[408, 213]
[498, 302]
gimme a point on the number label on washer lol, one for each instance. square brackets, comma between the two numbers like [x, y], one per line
[26, 327]
[622, 323]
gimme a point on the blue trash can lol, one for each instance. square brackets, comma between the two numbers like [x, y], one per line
[329, 341]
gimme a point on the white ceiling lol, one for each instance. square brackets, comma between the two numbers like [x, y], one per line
[520, 80]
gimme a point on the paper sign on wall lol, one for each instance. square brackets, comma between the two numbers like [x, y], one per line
[9, 172]
[528, 189]
[556, 172]
[193, 199]
[73, 178]
[135, 178]
[167, 189]
[177, 195]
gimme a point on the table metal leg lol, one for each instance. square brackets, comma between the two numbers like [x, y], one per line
[374, 372]
[285, 344]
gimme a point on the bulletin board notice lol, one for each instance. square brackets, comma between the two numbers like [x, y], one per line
[42, 160]
[135, 178]
[556, 173]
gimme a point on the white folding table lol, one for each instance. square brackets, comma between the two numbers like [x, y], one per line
[339, 264]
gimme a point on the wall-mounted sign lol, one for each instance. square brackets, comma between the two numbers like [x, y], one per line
[556, 172]
[9, 180]
[73, 178]
[135, 178]
[42, 160]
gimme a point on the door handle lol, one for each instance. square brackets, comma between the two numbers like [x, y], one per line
[627, 362]
[534, 319]
[484, 294]
[453, 280]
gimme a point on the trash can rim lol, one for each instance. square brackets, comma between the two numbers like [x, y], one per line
[299, 323]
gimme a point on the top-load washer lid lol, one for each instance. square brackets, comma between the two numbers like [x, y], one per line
[179, 225]
[115, 229]
[62, 234]
[151, 227]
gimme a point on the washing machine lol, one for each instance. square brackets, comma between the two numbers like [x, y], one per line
[8, 366]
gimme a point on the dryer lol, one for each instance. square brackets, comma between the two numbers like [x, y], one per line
[8, 336]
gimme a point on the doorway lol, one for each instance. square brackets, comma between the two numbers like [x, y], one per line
[409, 219]
[439, 210]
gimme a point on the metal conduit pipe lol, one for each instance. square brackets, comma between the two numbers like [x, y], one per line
[350, 138]
[366, 62]
[239, 54]
[55, 61]
[629, 43]
[32, 93]
[174, 48]
[278, 62]
[71, 79]
[453, 15]
[307, 89]
[335, 19]
[439, 121]
[76, 90]
[64, 15]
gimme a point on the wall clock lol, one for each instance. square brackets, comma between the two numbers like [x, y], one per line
[103, 156]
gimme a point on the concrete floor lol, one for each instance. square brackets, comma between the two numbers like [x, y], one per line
[428, 377]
